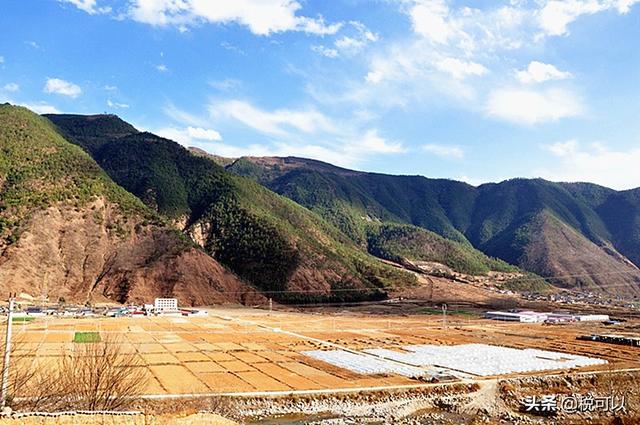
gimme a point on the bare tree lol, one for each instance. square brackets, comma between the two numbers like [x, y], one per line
[22, 368]
[99, 375]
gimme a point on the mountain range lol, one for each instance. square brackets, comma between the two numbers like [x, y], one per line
[91, 209]
[575, 235]
[271, 243]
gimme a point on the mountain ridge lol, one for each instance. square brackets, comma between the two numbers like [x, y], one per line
[524, 222]
[268, 240]
[496, 218]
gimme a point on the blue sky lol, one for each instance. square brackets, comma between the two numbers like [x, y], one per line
[471, 90]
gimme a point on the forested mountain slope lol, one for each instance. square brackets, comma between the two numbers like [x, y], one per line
[580, 235]
[266, 239]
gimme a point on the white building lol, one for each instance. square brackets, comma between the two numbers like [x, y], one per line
[537, 317]
[521, 316]
[165, 305]
[592, 317]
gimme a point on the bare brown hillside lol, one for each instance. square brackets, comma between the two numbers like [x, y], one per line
[556, 249]
[95, 253]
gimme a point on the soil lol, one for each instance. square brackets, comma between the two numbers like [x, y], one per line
[97, 253]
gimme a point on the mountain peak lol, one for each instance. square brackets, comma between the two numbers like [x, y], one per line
[90, 131]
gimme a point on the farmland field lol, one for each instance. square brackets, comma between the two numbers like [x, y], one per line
[86, 337]
[241, 350]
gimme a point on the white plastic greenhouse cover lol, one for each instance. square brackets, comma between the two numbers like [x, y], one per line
[476, 359]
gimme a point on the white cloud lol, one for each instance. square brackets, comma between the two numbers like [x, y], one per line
[538, 72]
[349, 43]
[355, 38]
[183, 117]
[624, 6]
[450, 43]
[595, 163]
[556, 15]
[232, 151]
[203, 134]
[468, 29]
[175, 134]
[116, 105]
[262, 17]
[89, 6]
[232, 48]
[569, 147]
[301, 132]
[11, 87]
[313, 151]
[189, 136]
[37, 107]
[455, 39]
[325, 51]
[358, 38]
[526, 106]
[227, 84]
[110, 88]
[430, 18]
[41, 108]
[315, 26]
[1, 60]
[161, 68]
[277, 122]
[372, 142]
[347, 154]
[505, 26]
[407, 73]
[470, 180]
[460, 69]
[444, 151]
[62, 87]
[375, 75]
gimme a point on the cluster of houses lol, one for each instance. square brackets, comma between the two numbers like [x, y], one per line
[160, 307]
[588, 298]
[529, 316]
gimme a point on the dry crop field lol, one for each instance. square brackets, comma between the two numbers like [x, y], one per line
[239, 350]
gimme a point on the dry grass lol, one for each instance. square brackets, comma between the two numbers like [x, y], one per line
[22, 369]
[91, 376]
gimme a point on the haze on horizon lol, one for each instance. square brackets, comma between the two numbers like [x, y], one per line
[476, 91]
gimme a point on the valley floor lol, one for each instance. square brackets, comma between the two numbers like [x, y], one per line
[250, 354]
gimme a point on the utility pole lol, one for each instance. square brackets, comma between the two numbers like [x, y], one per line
[7, 354]
[444, 315]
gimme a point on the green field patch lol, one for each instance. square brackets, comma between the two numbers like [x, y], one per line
[23, 319]
[86, 337]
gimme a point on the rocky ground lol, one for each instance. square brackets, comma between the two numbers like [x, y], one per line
[484, 402]
[490, 402]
